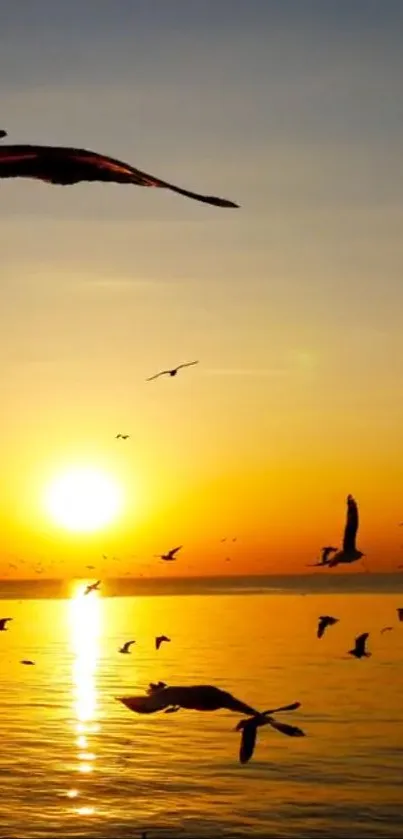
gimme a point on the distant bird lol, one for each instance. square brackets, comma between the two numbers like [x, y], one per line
[172, 372]
[66, 165]
[170, 555]
[93, 587]
[122, 436]
[386, 629]
[324, 560]
[3, 622]
[249, 729]
[90, 567]
[159, 639]
[3, 134]
[324, 622]
[359, 650]
[125, 649]
[349, 552]
[400, 614]
[27, 661]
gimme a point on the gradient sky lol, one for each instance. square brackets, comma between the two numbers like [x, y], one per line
[293, 303]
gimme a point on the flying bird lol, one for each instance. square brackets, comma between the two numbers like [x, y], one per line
[159, 639]
[27, 661]
[3, 622]
[400, 614]
[386, 629]
[66, 165]
[122, 436]
[349, 552]
[3, 134]
[93, 587]
[324, 559]
[249, 729]
[324, 622]
[126, 647]
[170, 555]
[173, 371]
[359, 650]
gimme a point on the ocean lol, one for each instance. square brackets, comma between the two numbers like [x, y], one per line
[75, 762]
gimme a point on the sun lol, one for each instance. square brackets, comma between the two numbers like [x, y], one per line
[83, 500]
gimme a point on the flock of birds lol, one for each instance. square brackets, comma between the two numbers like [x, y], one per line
[67, 166]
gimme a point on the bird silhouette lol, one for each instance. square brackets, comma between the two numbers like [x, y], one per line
[249, 729]
[3, 622]
[324, 622]
[359, 650]
[93, 587]
[66, 165]
[400, 614]
[122, 436]
[324, 559]
[173, 371]
[3, 134]
[386, 629]
[159, 639]
[125, 649]
[349, 552]
[170, 555]
[27, 661]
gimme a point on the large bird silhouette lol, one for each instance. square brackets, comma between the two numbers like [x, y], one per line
[65, 166]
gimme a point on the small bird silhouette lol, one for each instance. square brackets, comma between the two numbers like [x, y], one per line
[324, 622]
[3, 134]
[386, 629]
[324, 559]
[349, 552]
[66, 165]
[159, 639]
[173, 371]
[3, 622]
[126, 647]
[170, 555]
[93, 587]
[27, 661]
[122, 436]
[359, 650]
[249, 729]
[400, 614]
[90, 567]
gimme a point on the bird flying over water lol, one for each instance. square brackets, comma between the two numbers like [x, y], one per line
[324, 559]
[66, 166]
[324, 622]
[173, 371]
[160, 697]
[93, 587]
[158, 641]
[122, 436]
[125, 649]
[170, 555]
[349, 552]
[27, 661]
[359, 650]
[386, 629]
[3, 622]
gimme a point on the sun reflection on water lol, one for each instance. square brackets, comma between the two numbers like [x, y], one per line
[85, 623]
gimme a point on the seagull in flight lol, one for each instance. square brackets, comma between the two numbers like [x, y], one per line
[400, 614]
[173, 371]
[324, 559]
[27, 661]
[386, 629]
[3, 622]
[125, 649]
[349, 552]
[122, 436]
[65, 165]
[170, 556]
[160, 697]
[159, 639]
[93, 587]
[324, 622]
[359, 650]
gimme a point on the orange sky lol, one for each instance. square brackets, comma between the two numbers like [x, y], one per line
[292, 303]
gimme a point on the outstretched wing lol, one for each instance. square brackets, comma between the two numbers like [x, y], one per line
[351, 528]
[157, 375]
[187, 364]
[248, 741]
[322, 626]
[360, 642]
[127, 645]
[175, 550]
[65, 165]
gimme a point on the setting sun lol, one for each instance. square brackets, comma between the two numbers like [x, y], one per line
[83, 500]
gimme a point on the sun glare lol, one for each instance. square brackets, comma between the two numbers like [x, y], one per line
[83, 500]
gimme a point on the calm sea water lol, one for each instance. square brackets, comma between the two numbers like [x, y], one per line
[76, 762]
